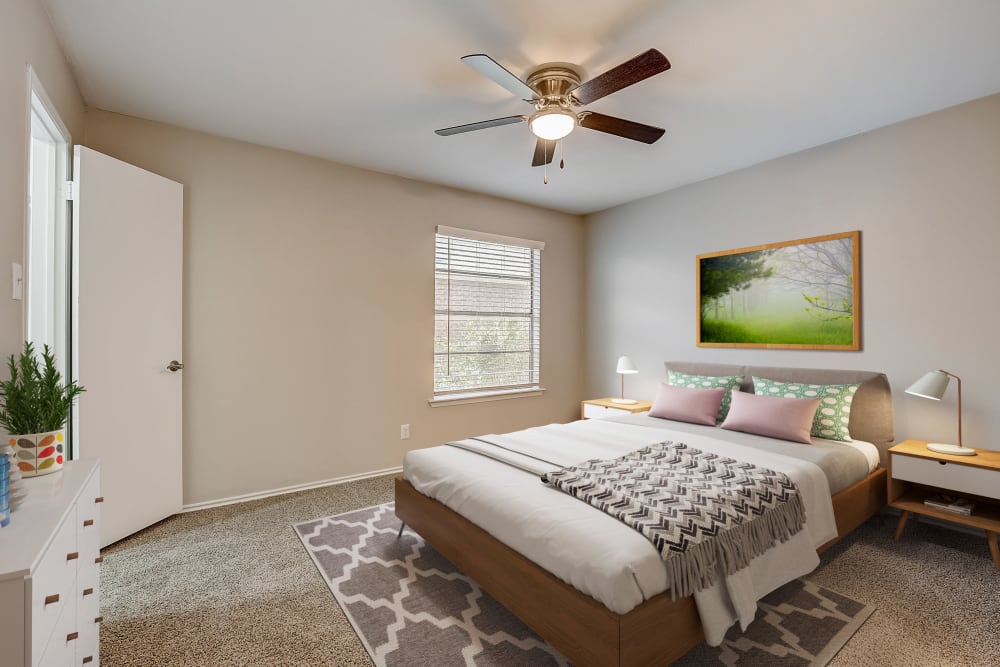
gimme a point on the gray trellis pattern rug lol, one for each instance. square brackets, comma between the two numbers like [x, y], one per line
[410, 606]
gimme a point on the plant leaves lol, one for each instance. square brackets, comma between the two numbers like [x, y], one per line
[35, 399]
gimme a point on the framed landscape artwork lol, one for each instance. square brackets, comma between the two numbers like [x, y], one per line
[802, 294]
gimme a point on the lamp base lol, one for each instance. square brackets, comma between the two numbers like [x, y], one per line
[624, 401]
[955, 450]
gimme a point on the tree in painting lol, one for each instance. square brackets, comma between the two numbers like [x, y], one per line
[727, 275]
[823, 271]
[796, 294]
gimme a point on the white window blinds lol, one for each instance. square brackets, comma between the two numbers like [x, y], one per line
[487, 299]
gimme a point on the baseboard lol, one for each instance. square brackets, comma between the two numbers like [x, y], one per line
[246, 497]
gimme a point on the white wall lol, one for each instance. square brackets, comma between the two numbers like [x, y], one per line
[25, 39]
[925, 194]
[308, 306]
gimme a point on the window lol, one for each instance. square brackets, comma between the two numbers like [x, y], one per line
[487, 299]
[47, 254]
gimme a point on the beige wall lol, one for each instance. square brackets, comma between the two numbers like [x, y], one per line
[25, 39]
[925, 194]
[308, 309]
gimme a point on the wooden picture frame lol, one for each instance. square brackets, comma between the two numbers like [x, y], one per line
[803, 294]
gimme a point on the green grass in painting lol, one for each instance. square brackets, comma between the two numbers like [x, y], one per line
[770, 330]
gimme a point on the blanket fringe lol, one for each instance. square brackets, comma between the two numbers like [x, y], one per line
[697, 568]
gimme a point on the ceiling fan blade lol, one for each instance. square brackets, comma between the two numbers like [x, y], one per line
[543, 152]
[647, 134]
[639, 68]
[488, 67]
[481, 125]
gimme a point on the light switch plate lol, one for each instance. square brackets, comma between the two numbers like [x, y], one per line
[17, 281]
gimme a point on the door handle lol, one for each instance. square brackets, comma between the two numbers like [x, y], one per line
[174, 366]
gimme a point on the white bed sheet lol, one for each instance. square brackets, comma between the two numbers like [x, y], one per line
[593, 551]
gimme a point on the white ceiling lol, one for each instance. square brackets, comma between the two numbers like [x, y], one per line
[366, 83]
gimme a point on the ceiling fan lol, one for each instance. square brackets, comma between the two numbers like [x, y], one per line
[555, 89]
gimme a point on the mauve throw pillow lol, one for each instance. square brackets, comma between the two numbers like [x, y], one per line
[697, 406]
[773, 416]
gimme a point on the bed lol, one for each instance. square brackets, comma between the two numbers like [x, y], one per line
[606, 623]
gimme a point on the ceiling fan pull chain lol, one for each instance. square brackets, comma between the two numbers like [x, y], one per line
[562, 154]
[545, 164]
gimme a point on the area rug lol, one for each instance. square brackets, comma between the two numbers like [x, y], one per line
[411, 607]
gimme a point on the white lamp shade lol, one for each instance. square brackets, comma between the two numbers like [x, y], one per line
[932, 385]
[626, 367]
[552, 125]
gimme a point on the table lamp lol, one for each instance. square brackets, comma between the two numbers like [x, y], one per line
[933, 385]
[625, 367]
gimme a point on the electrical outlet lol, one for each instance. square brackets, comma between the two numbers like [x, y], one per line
[404, 431]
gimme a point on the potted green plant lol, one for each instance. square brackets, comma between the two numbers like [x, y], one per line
[34, 406]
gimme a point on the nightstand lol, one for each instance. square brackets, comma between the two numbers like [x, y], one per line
[916, 472]
[602, 408]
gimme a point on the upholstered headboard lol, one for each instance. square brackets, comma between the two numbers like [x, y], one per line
[871, 409]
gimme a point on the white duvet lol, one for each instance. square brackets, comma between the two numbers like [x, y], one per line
[593, 551]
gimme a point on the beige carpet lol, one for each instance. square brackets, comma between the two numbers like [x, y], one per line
[232, 586]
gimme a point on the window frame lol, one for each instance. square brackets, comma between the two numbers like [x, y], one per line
[458, 396]
[57, 296]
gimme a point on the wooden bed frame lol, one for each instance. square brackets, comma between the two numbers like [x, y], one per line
[658, 631]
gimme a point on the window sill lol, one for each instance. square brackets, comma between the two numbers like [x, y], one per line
[483, 396]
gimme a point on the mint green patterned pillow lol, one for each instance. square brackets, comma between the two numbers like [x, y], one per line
[834, 412]
[727, 382]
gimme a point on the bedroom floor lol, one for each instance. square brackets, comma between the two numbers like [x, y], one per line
[233, 586]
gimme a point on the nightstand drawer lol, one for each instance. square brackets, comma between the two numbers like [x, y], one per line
[947, 475]
[591, 411]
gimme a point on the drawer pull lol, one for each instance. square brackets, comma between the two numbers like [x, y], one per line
[73, 555]
[88, 591]
[51, 599]
[99, 560]
[88, 522]
[99, 499]
[89, 658]
[98, 619]
[71, 636]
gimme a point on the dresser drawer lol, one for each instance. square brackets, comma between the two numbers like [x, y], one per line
[947, 475]
[60, 649]
[54, 580]
[88, 625]
[88, 531]
[88, 650]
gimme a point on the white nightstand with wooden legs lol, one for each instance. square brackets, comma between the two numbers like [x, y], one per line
[916, 473]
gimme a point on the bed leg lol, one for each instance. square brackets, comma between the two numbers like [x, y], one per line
[402, 527]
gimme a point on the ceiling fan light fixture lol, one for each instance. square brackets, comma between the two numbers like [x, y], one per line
[552, 124]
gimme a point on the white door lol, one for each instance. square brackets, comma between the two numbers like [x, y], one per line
[128, 233]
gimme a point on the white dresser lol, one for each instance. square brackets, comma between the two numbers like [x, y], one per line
[50, 573]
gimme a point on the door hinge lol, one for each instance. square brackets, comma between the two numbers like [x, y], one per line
[69, 190]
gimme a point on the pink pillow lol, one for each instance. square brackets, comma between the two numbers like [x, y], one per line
[773, 416]
[683, 404]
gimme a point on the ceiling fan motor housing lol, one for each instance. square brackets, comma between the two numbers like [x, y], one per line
[553, 82]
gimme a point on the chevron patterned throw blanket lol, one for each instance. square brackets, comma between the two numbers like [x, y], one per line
[704, 513]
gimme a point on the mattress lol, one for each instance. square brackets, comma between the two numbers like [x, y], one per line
[603, 557]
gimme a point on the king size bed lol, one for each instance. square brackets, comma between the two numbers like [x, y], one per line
[598, 590]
